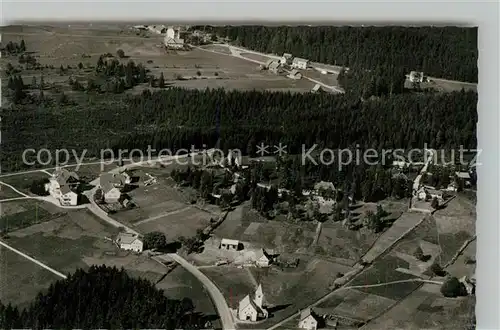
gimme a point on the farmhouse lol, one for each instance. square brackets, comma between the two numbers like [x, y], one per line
[469, 284]
[111, 193]
[316, 89]
[300, 63]
[130, 242]
[274, 67]
[286, 59]
[416, 77]
[309, 320]
[68, 197]
[173, 39]
[251, 309]
[427, 194]
[229, 244]
[294, 74]
[464, 177]
[262, 258]
[60, 184]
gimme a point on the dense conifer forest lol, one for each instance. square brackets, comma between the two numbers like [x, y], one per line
[443, 52]
[179, 118]
[102, 298]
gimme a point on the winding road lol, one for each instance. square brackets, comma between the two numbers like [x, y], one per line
[214, 292]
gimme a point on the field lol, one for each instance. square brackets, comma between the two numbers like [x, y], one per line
[22, 182]
[24, 213]
[20, 279]
[199, 68]
[77, 240]
[6, 193]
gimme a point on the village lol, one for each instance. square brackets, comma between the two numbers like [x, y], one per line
[255, 241]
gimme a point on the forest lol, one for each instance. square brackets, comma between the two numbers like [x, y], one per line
[115, 301]
[178, 118]
[442, 52]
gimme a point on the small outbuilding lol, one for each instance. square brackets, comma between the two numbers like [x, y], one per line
[229, 244]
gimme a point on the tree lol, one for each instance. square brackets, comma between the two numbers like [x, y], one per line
[99, 196]
[452, 288]
[33, 82]
[80, 65]
[161, 81]
[155, 240]
[435, 203]
[419, 254]
[198, 73]
[38, 187]
[438, 270]
[22, 47]
[120, 53]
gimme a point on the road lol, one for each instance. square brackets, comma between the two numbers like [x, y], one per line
[39, 263]
[416, 183]
[214, 292]
[236, 52]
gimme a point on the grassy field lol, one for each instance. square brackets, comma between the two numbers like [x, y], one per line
[22, 182]
[6, 193]
[70, 46]
[20, 279]
[24, 213]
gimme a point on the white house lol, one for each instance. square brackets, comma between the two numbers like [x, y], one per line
[262, 258]
[429, 194]
[60, 184]
[173, 39]
[469, 284]
[111, 193]
[295, 74]
[229, 244]
[251, 309]
[417, 77]
[274, 67]
[308, 319]
[300, 63]
[67, 196]
[286, 59]
[129, 241]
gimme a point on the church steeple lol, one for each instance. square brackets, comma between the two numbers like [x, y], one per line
[259, 296]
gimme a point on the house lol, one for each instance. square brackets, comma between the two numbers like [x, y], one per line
[286, 59]
[251, 309]
[324, 185]
[60, 184]
[173, 39]
[229, 244]
[295, 74]
[274, 67]
[425, 193]
[268, 64]
[316, 89]
[309, 320]
[416, 77]
[464, 177]
[67, 196]
[300, 63]
[262, 258]
[111, 193]
[469, 284]
[130, 242]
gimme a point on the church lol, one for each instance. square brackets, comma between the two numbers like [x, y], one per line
[251, 308]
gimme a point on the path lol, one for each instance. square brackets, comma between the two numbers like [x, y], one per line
[32, 260]
[166, 214]
[11, 187]
[214, 292]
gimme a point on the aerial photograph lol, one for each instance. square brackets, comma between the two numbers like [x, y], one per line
[157, 175]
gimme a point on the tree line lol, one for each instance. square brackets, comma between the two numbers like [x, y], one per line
[102, 298]
[444, 52]
[178, 118]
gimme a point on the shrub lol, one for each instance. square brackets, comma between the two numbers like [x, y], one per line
[452, 288]
[38, 187]
[120, 53]
[437, 270]
[419, 254]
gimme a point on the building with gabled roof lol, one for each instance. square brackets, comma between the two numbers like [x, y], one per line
[229, 244]
[129, 241]
[300, 63]
[286, 59]
[60, 184]
[295, 74]
[309, 320]
[274, 67]
[262, 258]
[251, 309]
